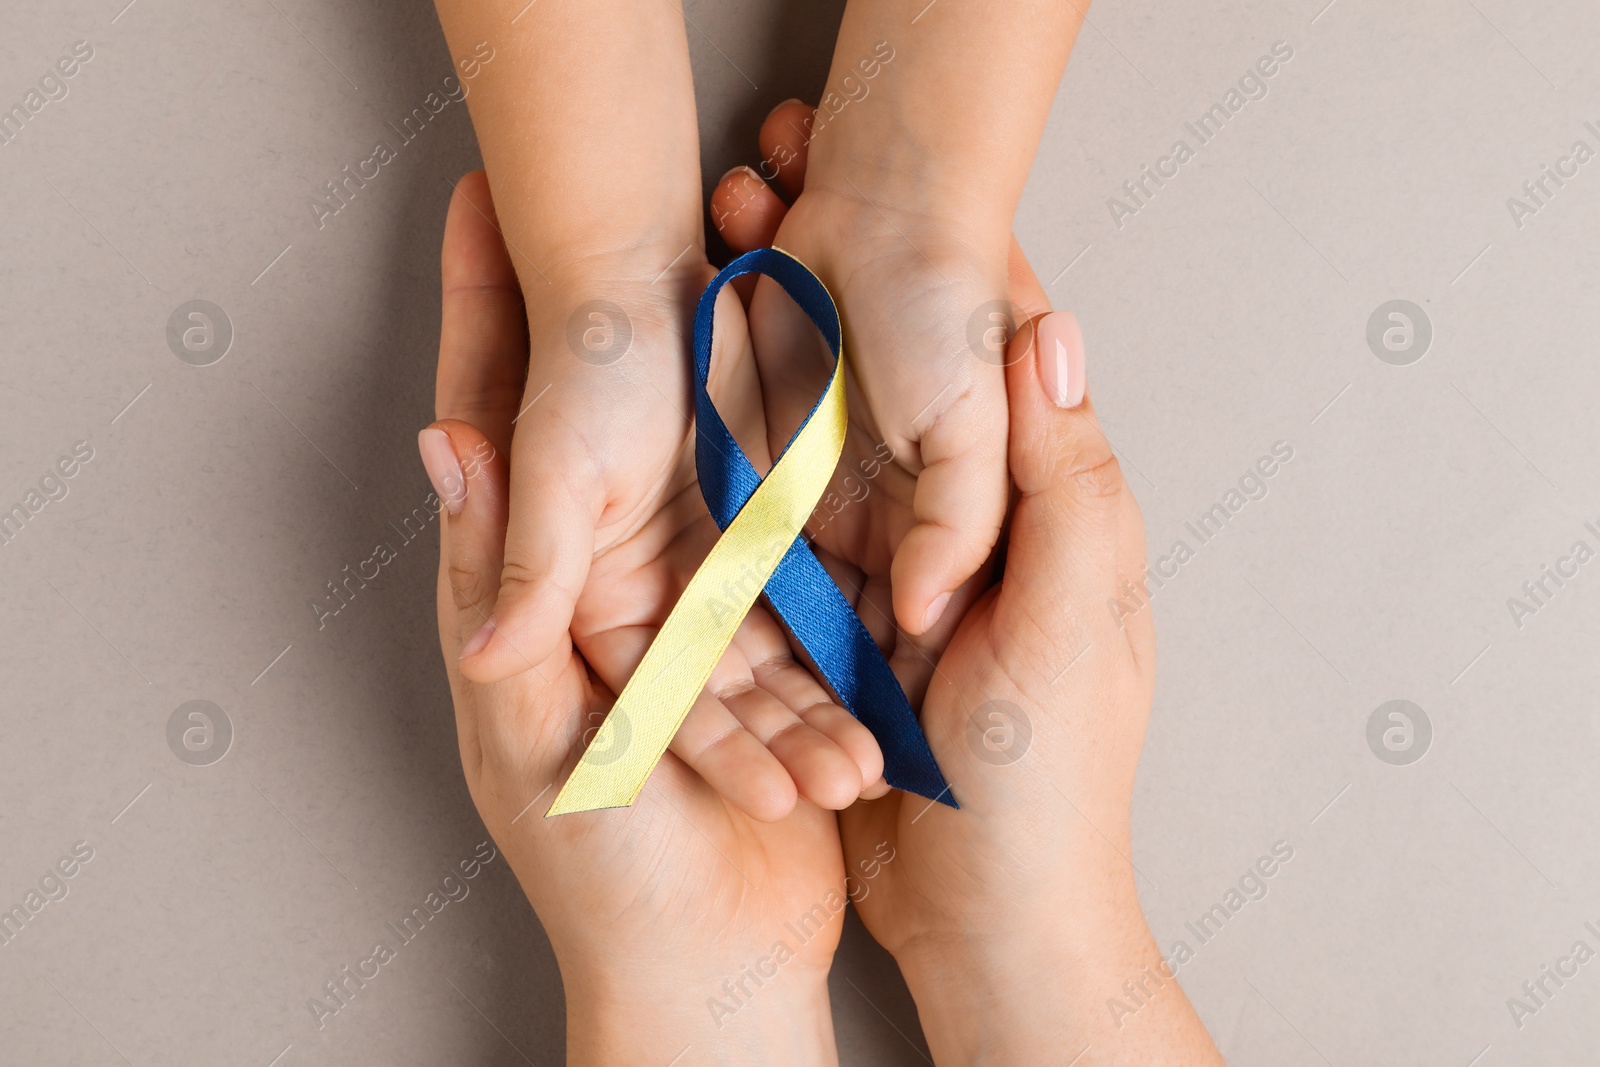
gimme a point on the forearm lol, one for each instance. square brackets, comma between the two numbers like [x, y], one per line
[1090, 981]
[632, 1019]
[586, 121]
[958, 110]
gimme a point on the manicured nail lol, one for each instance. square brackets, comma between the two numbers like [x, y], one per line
[785, 103]
[935, 610]
[444, 470]
[476, 642]
[1060, 344]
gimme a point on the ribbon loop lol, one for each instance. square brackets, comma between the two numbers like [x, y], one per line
[761, 550]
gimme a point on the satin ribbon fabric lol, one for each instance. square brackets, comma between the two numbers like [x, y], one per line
[761, 550]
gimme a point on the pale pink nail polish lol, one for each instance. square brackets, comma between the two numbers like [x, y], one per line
[1061, 369]
[444, 470]
[935, 610]
[477, 641]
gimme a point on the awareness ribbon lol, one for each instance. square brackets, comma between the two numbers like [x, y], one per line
[760, 551]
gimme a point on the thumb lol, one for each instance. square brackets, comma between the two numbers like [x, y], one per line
[548, 545]
[470, 478]
[1077, 540]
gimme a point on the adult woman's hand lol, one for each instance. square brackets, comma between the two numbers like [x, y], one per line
[1016, 920]
[654, 911]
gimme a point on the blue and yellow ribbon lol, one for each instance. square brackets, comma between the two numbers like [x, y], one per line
[760, 551]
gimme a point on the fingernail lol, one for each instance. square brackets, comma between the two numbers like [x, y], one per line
[444, 471]
[935, 610]
[1061, 358]
[784, 103]
[476, 642]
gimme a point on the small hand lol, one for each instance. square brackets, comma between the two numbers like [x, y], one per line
[921, 492]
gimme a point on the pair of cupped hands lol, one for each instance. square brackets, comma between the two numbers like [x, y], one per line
[706, 916]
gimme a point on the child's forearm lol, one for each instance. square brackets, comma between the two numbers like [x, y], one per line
[957, 112]
[586, 121]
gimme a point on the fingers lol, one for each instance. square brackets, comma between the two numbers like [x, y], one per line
[744, 207]
[822, 771]
[959, 504]
[733, 761]
[785, 140]
[746, 211]
[1028, 298]
[762, 737]
[828, 752]
[483, 336]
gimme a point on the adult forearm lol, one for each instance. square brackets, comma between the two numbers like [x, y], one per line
[1087, 982]
[636, 1018]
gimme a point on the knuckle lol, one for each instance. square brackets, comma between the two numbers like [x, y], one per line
[518, 579]
[465, 585]
[1092, 472]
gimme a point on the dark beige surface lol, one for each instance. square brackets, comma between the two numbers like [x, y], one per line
[1227, 313]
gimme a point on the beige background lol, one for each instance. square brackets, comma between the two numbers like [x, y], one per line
[1227, 314]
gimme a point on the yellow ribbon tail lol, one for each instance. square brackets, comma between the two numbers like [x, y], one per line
[680, 660]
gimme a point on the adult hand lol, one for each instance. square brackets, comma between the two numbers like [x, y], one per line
[1022, 907]
[1016, 918]
[654, 911]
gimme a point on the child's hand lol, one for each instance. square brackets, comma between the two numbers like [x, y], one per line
[921, 292]
[765, 731]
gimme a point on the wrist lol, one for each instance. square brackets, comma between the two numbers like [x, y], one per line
[654, 286]
[727, 1020]
[881, 172]
[1005, 993]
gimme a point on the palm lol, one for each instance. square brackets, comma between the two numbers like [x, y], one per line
[684, 872]
[605, 450]
[947, 863]
[688, 867]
